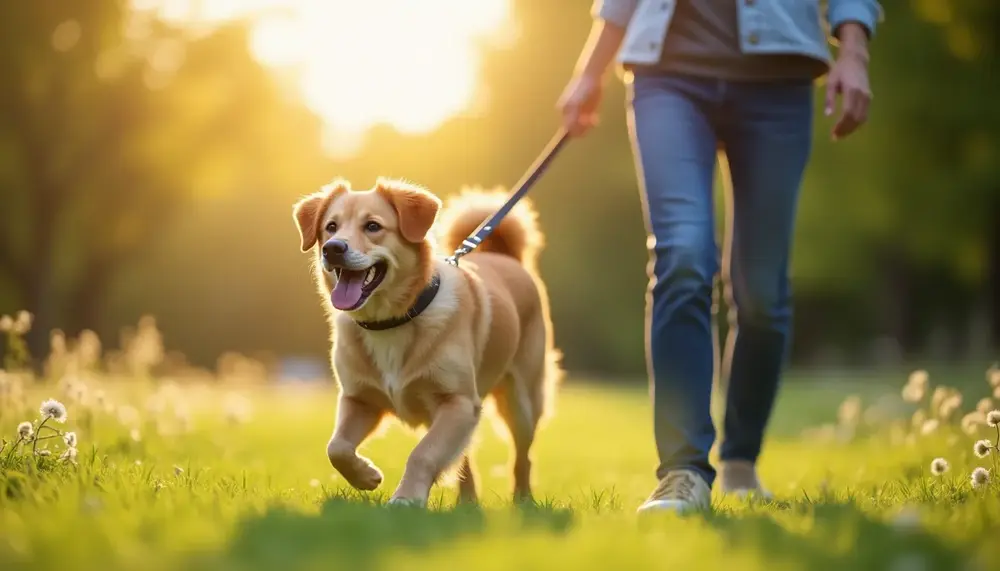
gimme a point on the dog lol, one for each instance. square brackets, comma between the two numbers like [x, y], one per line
[423, 340]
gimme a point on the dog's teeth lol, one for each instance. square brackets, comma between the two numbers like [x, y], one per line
[369, 275]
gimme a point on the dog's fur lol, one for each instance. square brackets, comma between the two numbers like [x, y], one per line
[487, 333]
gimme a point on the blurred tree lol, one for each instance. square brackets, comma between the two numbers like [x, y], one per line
[110, 124]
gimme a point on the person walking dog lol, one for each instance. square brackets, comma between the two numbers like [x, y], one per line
[733, 77]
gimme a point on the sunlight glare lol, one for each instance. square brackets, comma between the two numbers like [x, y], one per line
[406, 63]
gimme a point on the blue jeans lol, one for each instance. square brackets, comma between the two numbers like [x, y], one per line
[763, 131]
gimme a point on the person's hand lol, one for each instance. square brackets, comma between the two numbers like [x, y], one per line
[579, 103]
[849, 79]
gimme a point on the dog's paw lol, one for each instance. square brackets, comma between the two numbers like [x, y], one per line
[363, 475]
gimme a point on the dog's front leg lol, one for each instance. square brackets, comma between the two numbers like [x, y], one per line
[356, 420]
[455, 419]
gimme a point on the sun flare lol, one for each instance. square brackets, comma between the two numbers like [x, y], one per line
[411, 64]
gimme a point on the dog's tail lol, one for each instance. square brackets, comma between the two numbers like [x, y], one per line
[517, 236]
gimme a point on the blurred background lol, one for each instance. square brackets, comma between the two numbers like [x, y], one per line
[150, 152]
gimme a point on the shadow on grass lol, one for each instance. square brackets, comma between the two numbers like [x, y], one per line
[835, 536]
[351, 534]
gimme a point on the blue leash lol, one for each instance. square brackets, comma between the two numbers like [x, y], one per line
[530, 178]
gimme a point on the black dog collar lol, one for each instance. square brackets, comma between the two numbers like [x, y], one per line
[423, 301]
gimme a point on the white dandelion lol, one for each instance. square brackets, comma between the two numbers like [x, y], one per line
[53, 409]
[980, 477]
[6, 323]
[23, 322]
[25, 430]
[993, 418]
[971, 422]
[44, 452]
[996, 392]
[919, 378]
[914, 393]
[950, 405]
[939, 466]
[70, 439]
[930, 426]
[993, 376]
[69, 454]
[984, 405]
[982, 448]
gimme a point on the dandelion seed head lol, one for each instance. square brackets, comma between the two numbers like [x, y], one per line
[6, 323]
[69, 454]
[44, 452]
[950, 405]
[25, 430]
[53, 409]
[929, 426]
[940, 393]
[70, 439]
[982, 448]
[996, 392]
[980, 477]
[939, 466]
[914, 393]
[919, 378]
[972, 421]
[23, 322]
[993, 418]
[919, 416]
[993, 376]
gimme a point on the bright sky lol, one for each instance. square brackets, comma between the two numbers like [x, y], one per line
[410, 63]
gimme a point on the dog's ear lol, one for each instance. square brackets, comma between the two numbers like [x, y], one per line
[308, 212]
[416, 207]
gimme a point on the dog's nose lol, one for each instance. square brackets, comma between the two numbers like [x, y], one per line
[334, 249]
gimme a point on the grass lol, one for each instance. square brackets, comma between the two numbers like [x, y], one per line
[258, 493]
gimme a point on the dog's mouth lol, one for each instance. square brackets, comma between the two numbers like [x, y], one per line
[354, 287]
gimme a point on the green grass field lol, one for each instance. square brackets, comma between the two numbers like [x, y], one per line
[190, 478]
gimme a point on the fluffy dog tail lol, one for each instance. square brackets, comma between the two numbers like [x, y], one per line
[517, 236]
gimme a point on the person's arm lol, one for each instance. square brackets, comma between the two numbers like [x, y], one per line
[853, 24]
[611, 18]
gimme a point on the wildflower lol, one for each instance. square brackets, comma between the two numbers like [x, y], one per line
[993, 418]
[972, 421]
[178, 470]
[25, 430]
[23, 322]
[949, 405]
[929, 426]
[919, 416]
[982, 448]
[996, 392]
[918, 378]
[980, 476]
[44, 452]
[993, 375]
[69, 454]
[939, 466]
[984, 405]
[70, 439]
[913, 393]
[940, 393]
[53, 409]
[6, 323]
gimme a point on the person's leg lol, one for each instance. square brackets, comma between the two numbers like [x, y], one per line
[767, 135]
[674, 146]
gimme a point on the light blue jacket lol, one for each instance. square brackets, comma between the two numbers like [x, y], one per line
[766, 26]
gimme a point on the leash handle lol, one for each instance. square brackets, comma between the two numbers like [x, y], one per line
[527, 181]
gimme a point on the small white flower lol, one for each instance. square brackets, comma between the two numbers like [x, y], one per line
[982, 448]
[135, 435]
[913, 392]
[6, 323]
[980, 476]
[53, 409]
[23, 322]
[44, 452]
[918, 378]
[971, 422]
[993, 376]
[929, 426]
[939, 466]
[25, 430]
[69, 454]
[984, 405]
[993, 418]
[314, 483]
[70, 439]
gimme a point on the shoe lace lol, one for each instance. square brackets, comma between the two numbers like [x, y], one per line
[675, 485]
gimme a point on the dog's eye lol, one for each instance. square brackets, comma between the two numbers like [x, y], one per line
[331, 227]
[372, 226]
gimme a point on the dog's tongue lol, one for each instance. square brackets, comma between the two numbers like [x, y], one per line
[347, 293]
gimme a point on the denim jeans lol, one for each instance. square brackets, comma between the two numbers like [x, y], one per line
[762, 132]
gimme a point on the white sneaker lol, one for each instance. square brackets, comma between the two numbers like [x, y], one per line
[679, 491]
[739, 477]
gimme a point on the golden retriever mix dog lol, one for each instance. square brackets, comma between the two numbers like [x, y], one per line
[423, 340]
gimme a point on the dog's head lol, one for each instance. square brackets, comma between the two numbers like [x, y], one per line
[373, 247]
